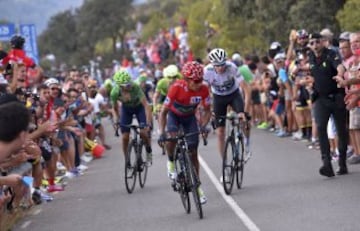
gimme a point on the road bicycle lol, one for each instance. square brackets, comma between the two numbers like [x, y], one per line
[135, 159]
[187, 180]
[233, 158]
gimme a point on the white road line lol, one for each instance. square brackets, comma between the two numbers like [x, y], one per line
[25, 224]
[251, 226]
[36, 212]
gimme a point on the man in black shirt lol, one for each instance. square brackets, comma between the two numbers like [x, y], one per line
[328, 101]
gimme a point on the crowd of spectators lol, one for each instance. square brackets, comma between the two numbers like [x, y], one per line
[47, 121]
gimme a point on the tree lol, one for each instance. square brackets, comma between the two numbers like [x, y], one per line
[315, 15]
[157, 22]
[100, 19]
[348, 17]
[60, 37]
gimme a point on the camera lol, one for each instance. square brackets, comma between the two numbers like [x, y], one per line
[35, 97]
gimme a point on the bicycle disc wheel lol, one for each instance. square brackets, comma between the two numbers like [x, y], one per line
[130, 168]
[142, 165]
[194, 181]
[240, 164]
[182, 179]
[228, 166]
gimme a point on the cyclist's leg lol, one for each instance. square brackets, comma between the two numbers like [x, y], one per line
[144, 132]
[220, 106]
[237, 104]
[125, 119]
[141, 118]
[190, 126]
[172, 126]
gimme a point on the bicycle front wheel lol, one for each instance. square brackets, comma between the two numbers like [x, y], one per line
[228, 166]
[142, 165]
[130, 167]
[194, 184]
[182, 180]
[240, 163]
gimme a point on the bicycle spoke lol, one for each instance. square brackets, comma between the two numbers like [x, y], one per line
[228, 166]
[194, 185]
[181, 181]
[142, 166]
[130, 168]
[240, 165]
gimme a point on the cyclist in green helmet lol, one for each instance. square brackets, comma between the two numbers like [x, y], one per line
[133, 102]
[170, 73]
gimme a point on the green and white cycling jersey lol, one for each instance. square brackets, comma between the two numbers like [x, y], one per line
[131, 98]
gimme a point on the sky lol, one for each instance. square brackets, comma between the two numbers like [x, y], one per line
[37, 12]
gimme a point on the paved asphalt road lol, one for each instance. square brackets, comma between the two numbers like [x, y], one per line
[282, 192]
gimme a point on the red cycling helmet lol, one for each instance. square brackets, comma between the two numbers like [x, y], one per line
[193, 70]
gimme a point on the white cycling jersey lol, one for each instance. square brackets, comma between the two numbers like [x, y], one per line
[225, 83]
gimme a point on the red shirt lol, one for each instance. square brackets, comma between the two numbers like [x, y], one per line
[49, 108]
[182, 101]
[18, 56]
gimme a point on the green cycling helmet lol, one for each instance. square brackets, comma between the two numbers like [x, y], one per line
[108, 84]
[122, 78]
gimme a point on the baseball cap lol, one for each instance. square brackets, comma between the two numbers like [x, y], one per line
[345, 36]
[327, 33]
[315, 36]
[279, 56]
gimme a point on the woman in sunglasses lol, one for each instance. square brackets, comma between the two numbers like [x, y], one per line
[133, 102]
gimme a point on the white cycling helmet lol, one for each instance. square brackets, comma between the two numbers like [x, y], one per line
[217, 56]
[51, 81]
[171, 71]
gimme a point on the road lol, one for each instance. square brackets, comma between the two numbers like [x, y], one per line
[282, 191]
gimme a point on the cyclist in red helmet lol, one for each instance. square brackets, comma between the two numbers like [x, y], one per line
[182, 100]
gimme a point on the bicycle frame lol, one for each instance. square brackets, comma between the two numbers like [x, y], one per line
[187, 180]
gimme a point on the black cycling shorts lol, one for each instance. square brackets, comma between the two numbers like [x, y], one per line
[221, 102]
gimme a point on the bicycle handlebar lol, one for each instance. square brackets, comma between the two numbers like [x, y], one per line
[182, 136]
[131, 126]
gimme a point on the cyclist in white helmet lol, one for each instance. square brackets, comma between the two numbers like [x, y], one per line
[225, 79]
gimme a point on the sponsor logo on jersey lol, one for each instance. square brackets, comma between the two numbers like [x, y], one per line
[195, 99]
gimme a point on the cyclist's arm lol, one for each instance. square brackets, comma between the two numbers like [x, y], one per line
[147, 110]
[162, 119]
[115, 111]
[205, 118]
[156, 97]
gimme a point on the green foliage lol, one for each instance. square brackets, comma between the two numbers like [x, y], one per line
[348, 17]
[246, 26]
[314, 15]
[197, 29]
[59, 38]
[157, 22]
[77, 36]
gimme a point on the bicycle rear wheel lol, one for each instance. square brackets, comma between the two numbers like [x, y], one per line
[194, 184]
[228, 166]
[240, 163]
[130, 167]
[182, 180]
[142, 165]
